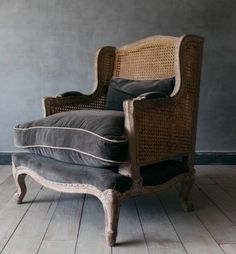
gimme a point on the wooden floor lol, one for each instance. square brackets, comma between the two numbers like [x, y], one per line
[49, 222]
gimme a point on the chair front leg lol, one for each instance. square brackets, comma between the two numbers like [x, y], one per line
[20, 185]
[111, 205]
[21, 188]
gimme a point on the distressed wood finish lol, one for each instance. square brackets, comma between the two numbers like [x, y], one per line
[157, 129]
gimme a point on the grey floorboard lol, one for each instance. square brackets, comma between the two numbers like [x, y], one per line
[51, 222]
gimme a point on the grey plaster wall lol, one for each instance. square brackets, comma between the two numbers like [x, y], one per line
[47, 46]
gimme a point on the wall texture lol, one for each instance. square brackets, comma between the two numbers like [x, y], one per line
[48, 46]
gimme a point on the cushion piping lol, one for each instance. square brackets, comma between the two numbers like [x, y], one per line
[68, 128]
[72, 149]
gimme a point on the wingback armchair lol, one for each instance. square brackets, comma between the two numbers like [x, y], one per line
[157, 129]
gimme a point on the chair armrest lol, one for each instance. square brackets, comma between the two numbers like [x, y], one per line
[157, 129]
[103, 71]
[73, 101]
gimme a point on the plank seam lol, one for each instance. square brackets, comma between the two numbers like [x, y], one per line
[57, 200]
[202, 221]
[145, 239]
[167, 214]
[20, 220]
[205, 193]
[80, 219]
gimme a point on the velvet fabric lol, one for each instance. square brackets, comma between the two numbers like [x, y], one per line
[89, 137]
[62, 172]
[121, 89]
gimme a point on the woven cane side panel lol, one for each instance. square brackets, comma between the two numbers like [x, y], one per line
[168, 130]
[99, 103]
[162, 133]
[151, 60]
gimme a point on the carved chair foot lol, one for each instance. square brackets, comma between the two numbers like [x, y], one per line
[111, 205]
[111, 237]
[187, 206]
[18, 198]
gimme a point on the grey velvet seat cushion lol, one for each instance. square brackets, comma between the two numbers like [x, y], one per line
[62, 172]
[88, 137]
[121, 89]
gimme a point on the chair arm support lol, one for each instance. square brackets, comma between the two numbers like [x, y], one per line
[157, 129]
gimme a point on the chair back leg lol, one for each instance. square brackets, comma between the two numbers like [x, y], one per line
[186, 187]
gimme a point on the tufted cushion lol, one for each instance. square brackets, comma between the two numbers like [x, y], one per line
[88, 137]
[123, 89]
[61, 172]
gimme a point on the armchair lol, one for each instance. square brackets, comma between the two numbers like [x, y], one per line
[157, 129]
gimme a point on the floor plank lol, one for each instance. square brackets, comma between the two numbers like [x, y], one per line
[61, 236]
[193, 234]
[130, 238]
[7, 190]
[11, 214]
[227, 184]
[231, 192]
[229, 248]
[219, 226]
[159, 232]
[56, 247]
[29, 234]
[73, 224]
[223, 200]
[5, 171]
[203, 180]
[216, 170]
[91, 237]
[224, 182]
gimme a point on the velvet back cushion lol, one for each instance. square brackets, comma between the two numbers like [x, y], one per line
[121, 89]
[87, 137]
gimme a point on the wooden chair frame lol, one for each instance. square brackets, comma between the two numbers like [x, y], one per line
[157, 129]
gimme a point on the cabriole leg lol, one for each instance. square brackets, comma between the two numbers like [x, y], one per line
[20, 184]
[111, 205]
